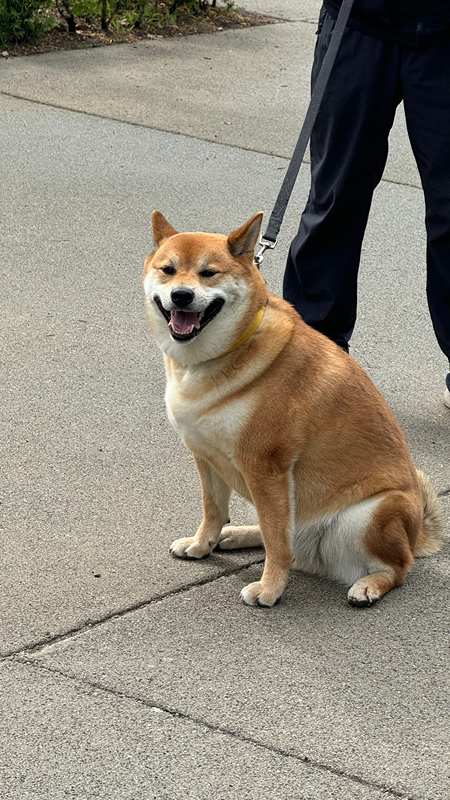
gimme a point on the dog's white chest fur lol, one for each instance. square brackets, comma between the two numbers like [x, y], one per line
[202, 423]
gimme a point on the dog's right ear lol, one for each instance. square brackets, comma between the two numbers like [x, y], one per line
[161, 228]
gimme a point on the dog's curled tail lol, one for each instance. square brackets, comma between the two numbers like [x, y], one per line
[431, 536]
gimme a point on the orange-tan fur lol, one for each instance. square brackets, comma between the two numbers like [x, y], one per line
[290, 422]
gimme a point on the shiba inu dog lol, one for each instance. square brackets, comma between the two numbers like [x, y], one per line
[278, 413]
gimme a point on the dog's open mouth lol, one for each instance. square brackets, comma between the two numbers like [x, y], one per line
[185, 325]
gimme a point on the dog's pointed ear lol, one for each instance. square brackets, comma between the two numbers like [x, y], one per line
[243, 240]
[161, 228]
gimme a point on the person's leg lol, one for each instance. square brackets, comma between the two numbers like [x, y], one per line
[425, 79]
[349, 147]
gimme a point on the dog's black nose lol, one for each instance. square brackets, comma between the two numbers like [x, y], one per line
[182, 297]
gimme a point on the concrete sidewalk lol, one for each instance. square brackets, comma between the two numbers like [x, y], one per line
[127, 674]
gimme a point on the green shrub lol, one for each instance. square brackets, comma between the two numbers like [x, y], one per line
[23, 21]
[86, 8]
[27, 21]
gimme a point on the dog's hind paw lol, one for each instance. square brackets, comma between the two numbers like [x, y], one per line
[188, 548]
[362, 594]
[234, 538]
[366, 591]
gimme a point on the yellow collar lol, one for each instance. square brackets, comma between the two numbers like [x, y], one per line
[249, 332]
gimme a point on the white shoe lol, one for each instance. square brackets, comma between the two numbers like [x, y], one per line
[447, 398]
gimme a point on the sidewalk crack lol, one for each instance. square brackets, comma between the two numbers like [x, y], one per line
[85, 627]
[215, 728]
[178, 133]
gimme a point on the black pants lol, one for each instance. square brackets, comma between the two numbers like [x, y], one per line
[349, 148]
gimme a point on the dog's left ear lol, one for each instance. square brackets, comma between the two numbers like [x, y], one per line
[243, 240]
[161, 228]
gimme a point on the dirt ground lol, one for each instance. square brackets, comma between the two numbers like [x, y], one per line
[89, 33]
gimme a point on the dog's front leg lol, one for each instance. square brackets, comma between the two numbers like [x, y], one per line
[216, 499]
[273, 498]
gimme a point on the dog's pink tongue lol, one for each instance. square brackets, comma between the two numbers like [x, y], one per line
[182, 321]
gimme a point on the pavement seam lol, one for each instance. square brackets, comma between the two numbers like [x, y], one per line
[85, 627]
[176, 133]
[305, 20]
[176, 713]
[444, 492]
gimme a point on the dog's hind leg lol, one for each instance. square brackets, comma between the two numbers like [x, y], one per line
[236, 538]
[389, 543]
[216, 499]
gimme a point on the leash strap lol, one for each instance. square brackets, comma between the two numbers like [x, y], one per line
[269, 239]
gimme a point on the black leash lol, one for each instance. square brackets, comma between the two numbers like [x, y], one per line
[269, 239]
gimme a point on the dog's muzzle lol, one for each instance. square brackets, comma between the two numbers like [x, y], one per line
[185, 325]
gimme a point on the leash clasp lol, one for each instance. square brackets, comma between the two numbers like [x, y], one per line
[265, 245]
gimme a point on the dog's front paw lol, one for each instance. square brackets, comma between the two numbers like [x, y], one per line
[256, 595]
[188, 548]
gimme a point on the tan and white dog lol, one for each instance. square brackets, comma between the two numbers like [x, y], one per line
[278, 413]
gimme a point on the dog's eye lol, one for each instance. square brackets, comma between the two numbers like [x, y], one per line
[208, 273]
[168, 270]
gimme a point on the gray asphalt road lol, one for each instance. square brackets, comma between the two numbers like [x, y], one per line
[125, 673]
